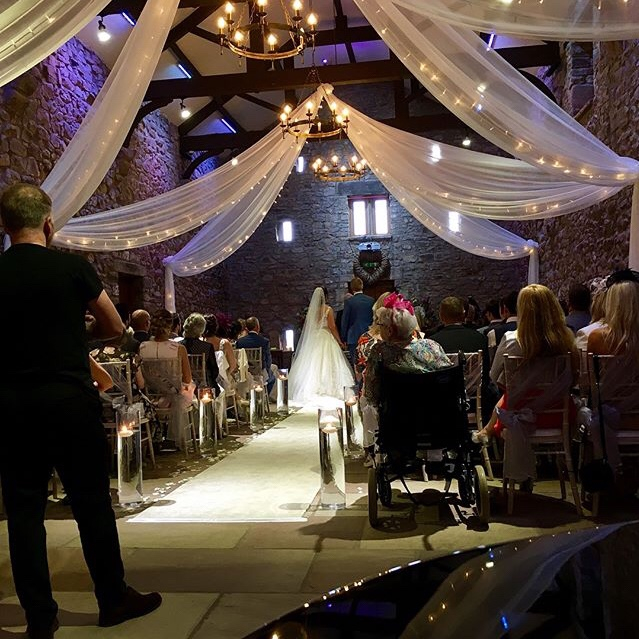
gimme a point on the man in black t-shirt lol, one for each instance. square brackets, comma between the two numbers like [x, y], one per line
[50, 414]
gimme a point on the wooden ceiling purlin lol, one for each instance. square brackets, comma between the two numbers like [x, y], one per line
[117, 6]
[217, 142]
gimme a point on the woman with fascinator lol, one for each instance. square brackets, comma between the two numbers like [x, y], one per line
[320, 369]
[400, 350]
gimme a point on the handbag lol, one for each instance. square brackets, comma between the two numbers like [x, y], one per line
[597, 475]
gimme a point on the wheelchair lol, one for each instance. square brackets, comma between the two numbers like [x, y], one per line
[426, 412]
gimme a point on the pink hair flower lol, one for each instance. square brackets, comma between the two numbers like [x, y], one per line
[398, 302]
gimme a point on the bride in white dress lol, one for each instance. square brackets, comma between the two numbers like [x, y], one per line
[320, 369]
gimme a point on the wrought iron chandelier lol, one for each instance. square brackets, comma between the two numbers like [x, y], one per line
[335, 171]
[236, 36]
[316, 124]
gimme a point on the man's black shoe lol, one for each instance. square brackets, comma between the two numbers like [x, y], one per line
[43, 632]
[133, 605]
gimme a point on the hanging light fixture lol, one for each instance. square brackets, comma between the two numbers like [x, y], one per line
[185, 112]
[236, 35]
[103, 33]
[316, 123]
[334, 170]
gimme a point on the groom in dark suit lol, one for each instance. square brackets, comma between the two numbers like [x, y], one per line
[357, 316]
[255, 340]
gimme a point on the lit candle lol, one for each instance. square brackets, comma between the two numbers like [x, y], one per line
[271, 41]
[312, 21]
[221, 24]
[329, 423]
[126, 429]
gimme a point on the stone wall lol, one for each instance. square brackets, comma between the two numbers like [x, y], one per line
[274, 280]
[592, 242]
[39, 113]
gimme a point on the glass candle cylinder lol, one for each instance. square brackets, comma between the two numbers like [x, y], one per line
[129, 454]
[256, 417]
[282, 393]
[206, 396]
[331, 450]
[352, 422]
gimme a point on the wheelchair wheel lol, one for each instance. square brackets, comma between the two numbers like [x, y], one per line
[482, 497]
[384, 487]
[372, 497]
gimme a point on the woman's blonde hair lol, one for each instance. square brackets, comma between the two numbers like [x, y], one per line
[194, 325]
[541, 324]
[622, 318]
[379, 303]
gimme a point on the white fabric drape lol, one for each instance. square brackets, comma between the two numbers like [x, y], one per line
[493, 98]
[30, 30]
[91, 152]
[584, 20]
[476, 184]
[219, 193]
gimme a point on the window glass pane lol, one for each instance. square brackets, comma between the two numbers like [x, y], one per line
[453, 221]
[359, 217]
[381, 217]
[289, 338]
[287, 231]
[300, 164]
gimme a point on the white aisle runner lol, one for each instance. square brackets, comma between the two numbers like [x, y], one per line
[275, 477]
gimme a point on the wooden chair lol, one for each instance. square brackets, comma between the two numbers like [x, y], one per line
[163, 379]
[230, 391]
[121, 375]
[473, 374]
[619, 394]
[543, 388]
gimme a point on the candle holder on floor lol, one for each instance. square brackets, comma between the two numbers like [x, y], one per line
[331, 449]
[127, 419]
[282, 392]
[207, 430]
[352, 421]
[256, 418]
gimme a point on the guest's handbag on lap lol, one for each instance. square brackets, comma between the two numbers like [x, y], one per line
[597, 474]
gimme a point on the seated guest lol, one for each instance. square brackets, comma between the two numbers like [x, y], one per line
[508, 313]
[619, 336]
[176, 326]
[398, 350]
[141, 324]
[541, 333]
[214, 335]
[237, 330]
[492, 317]
[578, 307]
[472, 313]
[598, 292]
[369, 412]
[128, 344]
[161, 347]
[455, 337]
[368, 340]
[194, 326]
[254, 340]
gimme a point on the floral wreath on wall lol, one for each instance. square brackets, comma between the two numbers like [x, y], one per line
[371, 265]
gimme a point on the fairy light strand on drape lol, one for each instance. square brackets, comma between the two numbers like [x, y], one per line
[30, 30]
[563, 20]
[491, 97]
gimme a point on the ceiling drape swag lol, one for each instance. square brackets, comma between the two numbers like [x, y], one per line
[30, 30]
[187, 207]
[581, 20]
[495, 100]
[92, 150]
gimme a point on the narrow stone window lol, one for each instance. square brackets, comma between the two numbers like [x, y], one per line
[285, 231]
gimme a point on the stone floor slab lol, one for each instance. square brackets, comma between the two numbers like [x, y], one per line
[229, 619]
[177, 618]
